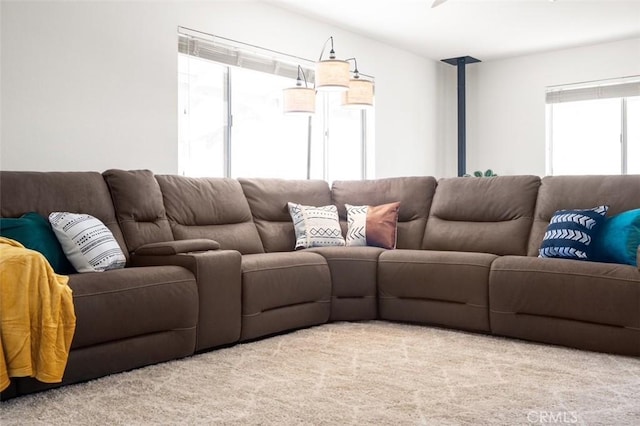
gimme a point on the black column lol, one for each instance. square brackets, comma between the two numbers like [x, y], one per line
[461, 63]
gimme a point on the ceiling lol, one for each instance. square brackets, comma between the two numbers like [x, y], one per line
[485, 29]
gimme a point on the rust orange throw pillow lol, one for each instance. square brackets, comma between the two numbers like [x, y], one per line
[375, 226]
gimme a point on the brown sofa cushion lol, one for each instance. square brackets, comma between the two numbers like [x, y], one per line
[138, 203]
[485, 215]
[212, 208]
[282, 291]
[620, 193]
[269, 200]
[598, 293]
[354, 272]
[424, 286]
[123, 303]
[414, 194]
[46, 192]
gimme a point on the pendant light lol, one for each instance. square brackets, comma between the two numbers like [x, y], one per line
[360, 93]
[299, 100]
[331, 74]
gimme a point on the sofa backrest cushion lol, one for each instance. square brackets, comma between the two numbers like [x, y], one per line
[138, 203]
[620, 193]
[269, 198]
[46, 192]
[415, 195]
[212, 208]
[488, 215]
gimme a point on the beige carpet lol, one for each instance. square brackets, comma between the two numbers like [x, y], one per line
[356, 373]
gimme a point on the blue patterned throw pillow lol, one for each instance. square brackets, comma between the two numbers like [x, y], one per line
[571, 233]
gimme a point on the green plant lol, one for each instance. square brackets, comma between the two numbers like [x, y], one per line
[478, 173]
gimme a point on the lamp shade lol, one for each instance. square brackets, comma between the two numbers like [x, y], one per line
[299, 100]
[359, 95]
[332, 75]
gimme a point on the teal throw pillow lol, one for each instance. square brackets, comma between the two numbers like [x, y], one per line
[34, 232]
[619, 239]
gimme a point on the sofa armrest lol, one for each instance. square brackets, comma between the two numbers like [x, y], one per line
[218, 277]
[166, 248]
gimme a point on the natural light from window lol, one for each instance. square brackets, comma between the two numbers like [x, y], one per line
[266, 143]
[594, 128]
[586, 137]
[202, 117]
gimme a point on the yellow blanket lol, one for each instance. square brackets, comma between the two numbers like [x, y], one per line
[37, 319]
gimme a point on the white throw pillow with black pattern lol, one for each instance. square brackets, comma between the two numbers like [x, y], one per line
[87, 242]
[316, 226]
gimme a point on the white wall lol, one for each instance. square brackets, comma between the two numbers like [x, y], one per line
[506, 103]
[93, 85]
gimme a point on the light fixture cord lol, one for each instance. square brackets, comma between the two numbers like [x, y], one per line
[356, 73]
[299, 80]
[332, 53]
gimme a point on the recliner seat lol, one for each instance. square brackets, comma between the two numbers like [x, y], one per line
[126, 318]
[586, 305]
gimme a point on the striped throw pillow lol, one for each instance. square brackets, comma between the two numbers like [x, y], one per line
[87, 242]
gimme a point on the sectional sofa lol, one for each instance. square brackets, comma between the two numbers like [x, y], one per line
[210, 262]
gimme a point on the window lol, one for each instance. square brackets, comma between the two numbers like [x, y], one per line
[202, 117]
[265, 142]
[345, 127]
[594, 129]
[231, 122]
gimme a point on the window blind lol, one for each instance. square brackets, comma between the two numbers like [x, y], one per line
[601, 91]
[237, 54]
